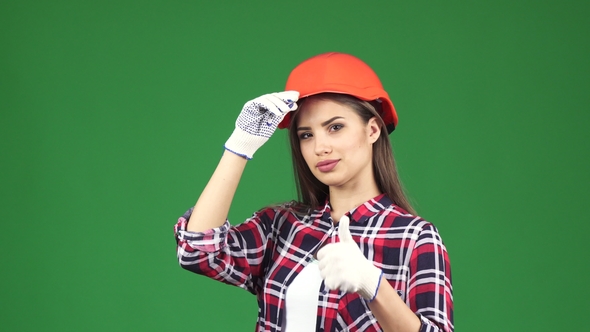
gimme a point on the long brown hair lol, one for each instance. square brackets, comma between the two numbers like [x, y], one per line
[311, 192]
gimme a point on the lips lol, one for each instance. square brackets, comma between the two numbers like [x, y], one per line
[327, 165]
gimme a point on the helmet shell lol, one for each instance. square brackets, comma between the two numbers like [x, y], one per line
[340, 73]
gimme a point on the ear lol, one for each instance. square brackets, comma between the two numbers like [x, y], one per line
[373, 130]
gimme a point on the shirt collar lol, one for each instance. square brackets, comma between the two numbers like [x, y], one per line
[370, 208]
[360, 213]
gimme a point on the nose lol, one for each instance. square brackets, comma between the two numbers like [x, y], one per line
[322, 145]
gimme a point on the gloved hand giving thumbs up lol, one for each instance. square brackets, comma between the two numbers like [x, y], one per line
[343, 266]
[258, 121]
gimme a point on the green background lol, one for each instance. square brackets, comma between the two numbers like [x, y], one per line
[114, 114]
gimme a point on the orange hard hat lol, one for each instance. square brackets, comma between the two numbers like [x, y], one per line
[340, 73]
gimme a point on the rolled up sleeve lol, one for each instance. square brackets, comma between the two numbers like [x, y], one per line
[209, 241]
[230, 254]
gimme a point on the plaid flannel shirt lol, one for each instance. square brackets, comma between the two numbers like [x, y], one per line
[265, 253]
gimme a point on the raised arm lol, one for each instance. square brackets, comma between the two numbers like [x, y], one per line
[213, 205]
[255, 124]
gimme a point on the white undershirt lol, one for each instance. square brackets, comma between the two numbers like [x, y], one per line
[301, 300]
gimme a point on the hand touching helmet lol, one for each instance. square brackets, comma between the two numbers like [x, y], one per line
[258, 121]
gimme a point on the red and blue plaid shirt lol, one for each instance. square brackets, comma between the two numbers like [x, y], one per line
[265, 253]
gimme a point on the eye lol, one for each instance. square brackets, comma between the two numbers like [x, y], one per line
[304, 135]
[336, 127]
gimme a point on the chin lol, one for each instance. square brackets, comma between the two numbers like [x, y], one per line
[330, 180]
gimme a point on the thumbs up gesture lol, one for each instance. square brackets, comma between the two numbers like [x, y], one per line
[343, 266]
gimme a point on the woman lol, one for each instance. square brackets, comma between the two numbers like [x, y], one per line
[350, 254]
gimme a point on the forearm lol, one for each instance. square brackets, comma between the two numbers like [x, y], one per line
[391, 312]
[213, 205]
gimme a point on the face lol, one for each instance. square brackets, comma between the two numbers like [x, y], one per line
[336, 144]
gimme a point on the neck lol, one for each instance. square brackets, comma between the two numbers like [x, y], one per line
[343, 200]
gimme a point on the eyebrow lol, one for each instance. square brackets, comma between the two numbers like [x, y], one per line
[325, 123]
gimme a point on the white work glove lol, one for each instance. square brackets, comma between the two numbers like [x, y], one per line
[258, 121]
[343, 266]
